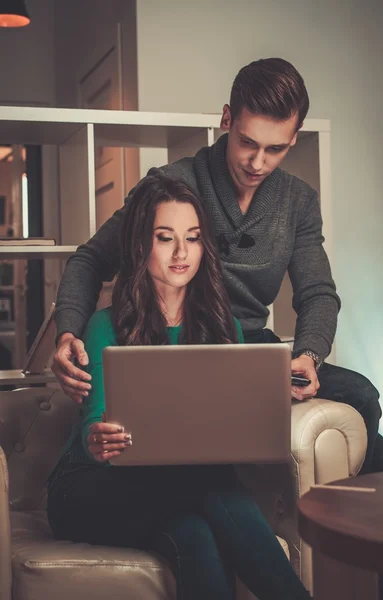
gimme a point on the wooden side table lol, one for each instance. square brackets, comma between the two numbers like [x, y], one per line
[344, 527]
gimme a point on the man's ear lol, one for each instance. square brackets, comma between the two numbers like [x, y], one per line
[294, 140]
[226, 118]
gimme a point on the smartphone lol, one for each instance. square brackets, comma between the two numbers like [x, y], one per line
[300, 381]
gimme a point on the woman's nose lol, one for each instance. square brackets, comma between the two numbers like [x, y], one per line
[180, 251]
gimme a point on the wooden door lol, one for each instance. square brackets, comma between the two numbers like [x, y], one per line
[100, 88]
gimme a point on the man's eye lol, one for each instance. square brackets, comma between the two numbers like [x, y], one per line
[163, 238]
[275, 149]
[246, 142]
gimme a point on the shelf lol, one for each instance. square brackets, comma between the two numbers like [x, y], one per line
[7, 333]
[17, 378]
[35, 125]
[28, 252]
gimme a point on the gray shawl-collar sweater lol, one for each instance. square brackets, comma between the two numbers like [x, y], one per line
[282, 230]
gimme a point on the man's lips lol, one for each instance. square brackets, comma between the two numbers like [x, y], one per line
[253, 175]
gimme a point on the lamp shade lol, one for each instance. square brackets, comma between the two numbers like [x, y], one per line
[13, 13]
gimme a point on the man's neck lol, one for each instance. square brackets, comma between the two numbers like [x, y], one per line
[244, 200]
[244, 194]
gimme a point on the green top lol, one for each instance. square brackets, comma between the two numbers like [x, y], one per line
[99, 334]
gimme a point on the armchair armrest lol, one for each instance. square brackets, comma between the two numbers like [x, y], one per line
[5, 535]
[328, 442]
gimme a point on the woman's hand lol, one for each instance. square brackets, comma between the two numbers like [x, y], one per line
[74, 381]
[305, 366]
[107, 440]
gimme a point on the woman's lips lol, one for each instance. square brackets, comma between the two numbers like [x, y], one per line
[179, 268]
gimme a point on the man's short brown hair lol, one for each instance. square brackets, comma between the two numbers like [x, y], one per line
[270, 87]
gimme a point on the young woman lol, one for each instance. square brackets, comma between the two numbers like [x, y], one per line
[200, 519]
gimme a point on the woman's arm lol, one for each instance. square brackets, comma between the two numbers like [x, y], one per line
[100, 440]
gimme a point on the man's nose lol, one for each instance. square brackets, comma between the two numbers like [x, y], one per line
[257, 160]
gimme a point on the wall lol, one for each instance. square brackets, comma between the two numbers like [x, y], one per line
[27, 59]
[84, 31]
[188, 55]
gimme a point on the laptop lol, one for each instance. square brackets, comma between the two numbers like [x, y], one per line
[200, 404]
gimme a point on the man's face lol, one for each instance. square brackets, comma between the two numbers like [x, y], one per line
[256, 146]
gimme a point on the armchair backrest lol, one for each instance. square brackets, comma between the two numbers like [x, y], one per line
[34, 425]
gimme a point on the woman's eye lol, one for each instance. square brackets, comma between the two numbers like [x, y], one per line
[194, 239]
[163, 238]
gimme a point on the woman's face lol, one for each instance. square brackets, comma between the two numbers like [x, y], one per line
[177, 247]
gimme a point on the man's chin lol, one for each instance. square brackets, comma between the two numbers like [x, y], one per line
[251, 184]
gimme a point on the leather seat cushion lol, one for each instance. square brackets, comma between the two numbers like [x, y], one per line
[42, 565]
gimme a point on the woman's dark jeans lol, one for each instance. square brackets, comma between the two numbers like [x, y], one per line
[199, 518]
[343, 385]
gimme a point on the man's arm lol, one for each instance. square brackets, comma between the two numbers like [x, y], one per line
[315, 299]
[92, 263]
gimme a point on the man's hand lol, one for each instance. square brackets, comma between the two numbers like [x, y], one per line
[72, 380]
[306, 366]
[106, 440]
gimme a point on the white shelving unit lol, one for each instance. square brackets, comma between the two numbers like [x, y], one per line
[79, 132]
[27, 252]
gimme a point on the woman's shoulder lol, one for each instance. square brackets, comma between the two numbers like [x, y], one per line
[239, 331]
[100, 325]
[101, 317]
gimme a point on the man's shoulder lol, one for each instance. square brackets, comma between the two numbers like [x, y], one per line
[182, 169]
[296, 185]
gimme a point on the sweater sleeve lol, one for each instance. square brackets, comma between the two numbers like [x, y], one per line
[314, 299]
[91, 264]
[99, 334]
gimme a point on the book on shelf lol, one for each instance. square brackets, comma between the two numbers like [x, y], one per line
[31, 241]
[43, 347]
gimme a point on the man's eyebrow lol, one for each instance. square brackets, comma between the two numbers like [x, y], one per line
[171, 229]
[248, 139]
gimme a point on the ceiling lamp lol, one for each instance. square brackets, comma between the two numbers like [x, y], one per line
[13, 13]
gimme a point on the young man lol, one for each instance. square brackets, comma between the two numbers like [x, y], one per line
[266, 222]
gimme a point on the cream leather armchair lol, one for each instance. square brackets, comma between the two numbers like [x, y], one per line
[328, 442]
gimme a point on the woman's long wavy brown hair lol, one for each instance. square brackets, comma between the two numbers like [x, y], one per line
[136, 313]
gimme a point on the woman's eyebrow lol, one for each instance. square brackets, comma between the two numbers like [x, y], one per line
[171, 229]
